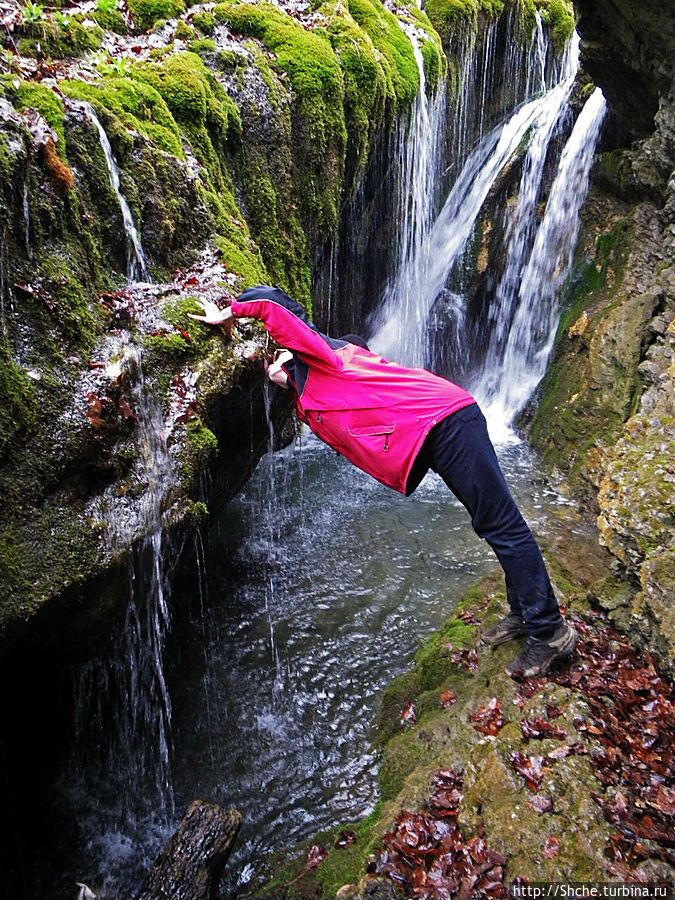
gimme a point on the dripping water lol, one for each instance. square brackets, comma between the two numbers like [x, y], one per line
[120, 776]
[26, 218]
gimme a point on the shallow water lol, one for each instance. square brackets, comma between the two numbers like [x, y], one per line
[318, 585]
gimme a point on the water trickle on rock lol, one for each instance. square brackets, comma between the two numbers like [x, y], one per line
[136, 265]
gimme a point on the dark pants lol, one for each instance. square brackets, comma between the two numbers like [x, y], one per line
[460, 450]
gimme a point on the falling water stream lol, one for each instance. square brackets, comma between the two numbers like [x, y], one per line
[136, 264]
[315, 586]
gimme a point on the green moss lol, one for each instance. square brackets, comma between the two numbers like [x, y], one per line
[184, 32]
[49, 105]
[202, 445]
[12, 569]
[204, 21]
[447, 15]
[398, 58]
[110, 20]
[196, 99]
[230, 60]
[17, 399]
[242, 258]
[49, 39]
[366, 85]
[174, 347]
[204, 46]
[135, 104]
[318, 85]
[434, 63]
[210, 120]
[559, 16]
[147, 12]
[77, 319]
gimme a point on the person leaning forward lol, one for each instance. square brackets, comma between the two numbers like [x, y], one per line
[396, 423]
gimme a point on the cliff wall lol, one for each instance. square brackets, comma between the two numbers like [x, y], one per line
[604, 416]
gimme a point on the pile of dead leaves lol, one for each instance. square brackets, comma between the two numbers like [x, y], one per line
[429, 857]
[633, 720]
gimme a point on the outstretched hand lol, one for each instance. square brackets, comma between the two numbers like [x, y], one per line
[214, 315]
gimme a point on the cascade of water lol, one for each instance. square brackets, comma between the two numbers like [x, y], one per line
[532, 327]
[495, 73]
[136, 264]
[442, 246]
[522, 228]
[419, 163]
[26, 218]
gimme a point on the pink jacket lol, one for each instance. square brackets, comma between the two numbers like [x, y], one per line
[376, 413]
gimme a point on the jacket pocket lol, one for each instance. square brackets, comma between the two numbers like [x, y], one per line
[373, 431]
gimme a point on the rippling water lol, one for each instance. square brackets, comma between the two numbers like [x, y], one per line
[320, 584]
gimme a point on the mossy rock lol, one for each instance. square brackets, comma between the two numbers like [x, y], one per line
[316, 76]
[204, 21]
[34, 94]
[447, 16]
[110, 20]
[398, 58]
[366, 85]
[137, 106]
[18, 399]
[147, 13]
[46, 38]
[559, 16]
[592, 385]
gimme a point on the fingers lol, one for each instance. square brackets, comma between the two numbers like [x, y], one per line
[212, 313]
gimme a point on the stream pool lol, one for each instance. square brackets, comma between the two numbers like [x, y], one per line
[316, 587]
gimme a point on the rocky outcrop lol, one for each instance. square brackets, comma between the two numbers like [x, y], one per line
[237, 136]
[605, 413]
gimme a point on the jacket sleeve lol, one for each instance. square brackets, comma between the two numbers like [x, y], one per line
[285, 325]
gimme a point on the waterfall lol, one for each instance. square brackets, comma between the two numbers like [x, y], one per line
[522, 317]
[432, 252]
[136, 264]
[419, 163]
[516, 370]
[498, 69]
[523, 225]
[443, 245]
[536, 63]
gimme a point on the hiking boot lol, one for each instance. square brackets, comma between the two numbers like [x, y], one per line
[510, 627]
[537, 656]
